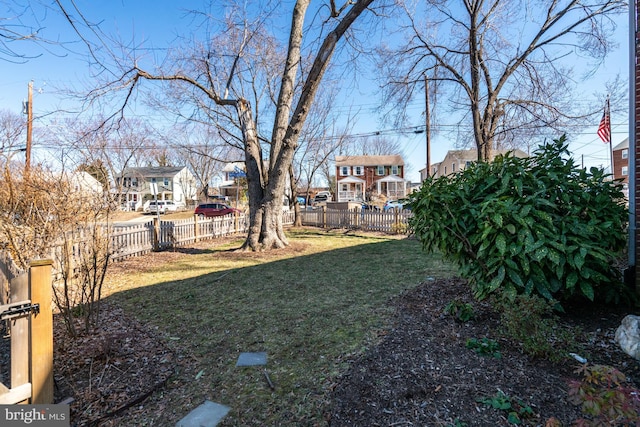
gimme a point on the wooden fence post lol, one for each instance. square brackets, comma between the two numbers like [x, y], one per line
[41, 333]
[396, 219]
[196, 238]
[324, 217]
[236, 222]
[20, 335]
[156, 234]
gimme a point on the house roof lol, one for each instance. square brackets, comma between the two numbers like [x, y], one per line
[351, 180]
[153, 172]
[230, 166]
[391, 178]
[472, 154]
[622, 145]
[393, 160]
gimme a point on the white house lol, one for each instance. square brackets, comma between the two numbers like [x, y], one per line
[84, 182]
[138, 185]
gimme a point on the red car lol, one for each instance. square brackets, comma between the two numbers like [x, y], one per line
[215, 209]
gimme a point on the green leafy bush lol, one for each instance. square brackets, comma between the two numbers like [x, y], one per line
[523, 226]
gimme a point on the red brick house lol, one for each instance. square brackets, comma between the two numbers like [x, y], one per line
[620, 155]
[361, 178]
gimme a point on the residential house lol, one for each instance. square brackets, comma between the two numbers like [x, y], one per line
[136, 186]
[84, 182]
[231, 187]
[620, 160]
[360, 178]
[457, 160]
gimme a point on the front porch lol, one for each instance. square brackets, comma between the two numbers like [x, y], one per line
[350, 189]
[392, 187]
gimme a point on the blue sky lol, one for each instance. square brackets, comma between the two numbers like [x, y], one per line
[158, 22]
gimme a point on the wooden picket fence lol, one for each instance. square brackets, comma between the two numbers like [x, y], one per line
[392, 221]
[154, 234]
[26, 307]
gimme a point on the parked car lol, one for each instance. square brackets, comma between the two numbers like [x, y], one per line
[162, 206]
[215, 209]
[321, 198]
[396, 204]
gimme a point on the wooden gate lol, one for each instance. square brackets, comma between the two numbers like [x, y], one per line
[26, 306]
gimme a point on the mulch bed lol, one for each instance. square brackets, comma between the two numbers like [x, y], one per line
[109, 370]
[422, 374]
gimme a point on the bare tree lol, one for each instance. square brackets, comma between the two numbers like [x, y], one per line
[378, 145]
[202, 149]
[12, 136]
[503, 64]
[219, 77]
[19, 24]
[320, 138]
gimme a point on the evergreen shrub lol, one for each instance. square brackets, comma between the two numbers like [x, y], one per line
[537, 225]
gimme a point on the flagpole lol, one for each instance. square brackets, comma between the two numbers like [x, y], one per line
[613, 176]
[604, 132]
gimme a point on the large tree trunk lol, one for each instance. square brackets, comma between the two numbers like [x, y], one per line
[265, 194]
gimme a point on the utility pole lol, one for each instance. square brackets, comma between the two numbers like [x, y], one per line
[427, 128]
[29, 112]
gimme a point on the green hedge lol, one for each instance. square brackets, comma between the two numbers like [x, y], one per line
[537, 225]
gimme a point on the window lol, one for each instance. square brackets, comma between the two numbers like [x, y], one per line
[358, 170]
[379, 170]
[625, 170]
[453, 167]
[166, 182]
[445, 170]
[344, 187]
[467, 163]
[625, 153]
[344, 170]
[134, 182]
[395, 170]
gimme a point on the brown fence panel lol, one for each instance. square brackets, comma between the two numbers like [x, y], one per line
[31, 333]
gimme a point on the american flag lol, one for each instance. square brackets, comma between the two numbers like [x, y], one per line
[604, 130]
